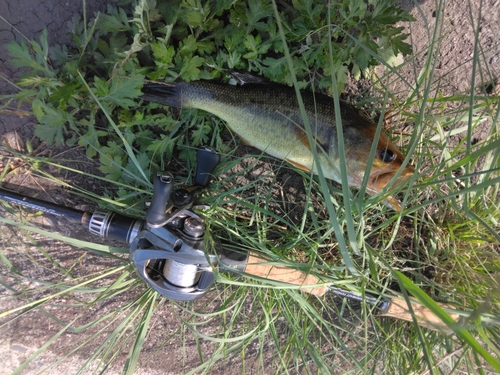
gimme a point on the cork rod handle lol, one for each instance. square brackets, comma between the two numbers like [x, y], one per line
[398, 308]
[308, 283]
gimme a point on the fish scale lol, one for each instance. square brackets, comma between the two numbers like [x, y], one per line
[267, 116]
[268, 121]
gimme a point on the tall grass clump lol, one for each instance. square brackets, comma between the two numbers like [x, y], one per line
[442, 248]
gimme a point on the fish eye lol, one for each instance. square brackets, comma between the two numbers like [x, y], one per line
[387, 155]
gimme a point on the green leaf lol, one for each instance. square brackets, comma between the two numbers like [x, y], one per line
[111, 166]
[139, 166]
[121, 90]
[311, 11]
[59, 55]
[194, 18]
[252, 43]
[114, 22]
[362, 59]
[63, 93]
[256, 11]
[52, 122]
[190, 71]
[276, 68]
[188, 46]
[90, 140]
[205, 47]
[234, 40]
[163, 146]
[200, 134]
[163, 54]
[21, 57]
[399, 45]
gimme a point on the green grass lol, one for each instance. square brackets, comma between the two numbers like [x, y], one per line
[442, 248]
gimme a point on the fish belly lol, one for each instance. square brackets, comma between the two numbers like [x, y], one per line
[268, 131]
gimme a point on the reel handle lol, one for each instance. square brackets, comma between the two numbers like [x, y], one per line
[163, 184]
[253, 264]
[206, 160]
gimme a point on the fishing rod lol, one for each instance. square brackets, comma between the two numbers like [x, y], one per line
[167, 247]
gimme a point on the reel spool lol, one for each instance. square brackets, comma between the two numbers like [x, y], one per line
[173, 263]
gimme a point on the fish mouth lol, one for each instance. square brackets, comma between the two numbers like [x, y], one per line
[380, 179]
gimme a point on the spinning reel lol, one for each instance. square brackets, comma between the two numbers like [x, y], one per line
[167, 248]
[169, 252]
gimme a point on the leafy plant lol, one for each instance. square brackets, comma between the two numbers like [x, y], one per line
[113, 53]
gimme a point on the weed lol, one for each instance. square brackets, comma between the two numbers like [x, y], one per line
[442, 247]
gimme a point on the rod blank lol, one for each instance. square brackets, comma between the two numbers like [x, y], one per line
[39, 205]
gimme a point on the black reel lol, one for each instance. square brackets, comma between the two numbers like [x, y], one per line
[169, 252]
[168, 248]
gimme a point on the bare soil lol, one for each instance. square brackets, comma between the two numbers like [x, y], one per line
[21, 338]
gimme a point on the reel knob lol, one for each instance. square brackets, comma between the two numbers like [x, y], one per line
[194, 227]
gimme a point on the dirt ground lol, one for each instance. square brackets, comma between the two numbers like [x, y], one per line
[20, 19]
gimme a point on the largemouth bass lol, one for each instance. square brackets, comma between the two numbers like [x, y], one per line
[267, 116]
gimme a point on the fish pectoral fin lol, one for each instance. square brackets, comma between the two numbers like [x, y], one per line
[298, 165]
[302, 138]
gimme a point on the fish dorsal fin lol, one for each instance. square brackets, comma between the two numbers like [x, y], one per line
[242, 78]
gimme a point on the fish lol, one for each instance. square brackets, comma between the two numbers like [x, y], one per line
[267, 116]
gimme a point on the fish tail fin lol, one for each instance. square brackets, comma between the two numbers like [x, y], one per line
[168, 94]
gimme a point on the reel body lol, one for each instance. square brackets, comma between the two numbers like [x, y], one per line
[173, 262]
[169, 252]
[168, 248]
